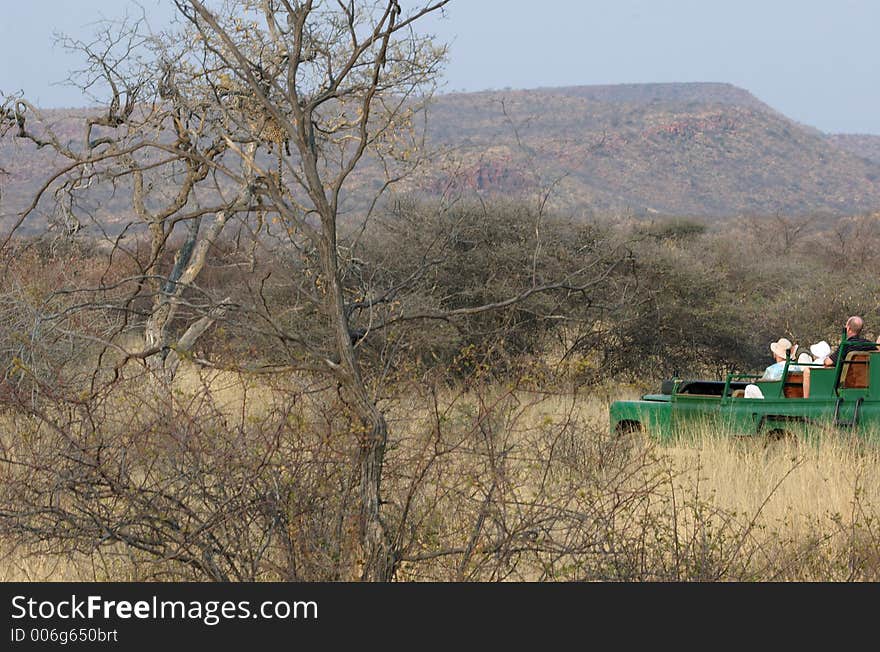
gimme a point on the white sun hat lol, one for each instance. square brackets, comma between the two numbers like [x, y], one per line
[820, 350]
[783, 347]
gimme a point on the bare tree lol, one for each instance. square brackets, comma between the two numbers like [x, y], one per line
[258, 108]
[248, 124]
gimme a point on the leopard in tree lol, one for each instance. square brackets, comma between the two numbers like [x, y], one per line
[276, 138]
[259, 121]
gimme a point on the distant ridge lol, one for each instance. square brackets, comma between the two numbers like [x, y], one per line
[671, 93]
[699, 149]
[689, 149]
[864, 145]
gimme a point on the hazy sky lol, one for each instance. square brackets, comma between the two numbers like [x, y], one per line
[817, 61]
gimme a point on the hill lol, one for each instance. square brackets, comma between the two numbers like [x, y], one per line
[864, 145]
[698, 149]
[695, 149]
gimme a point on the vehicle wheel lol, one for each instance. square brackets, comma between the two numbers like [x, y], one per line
[625, 428]
[779, 437]
[628, 436]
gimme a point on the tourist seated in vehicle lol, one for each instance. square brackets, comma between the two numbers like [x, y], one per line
[782, 350]
[853, 342]
[820, 351]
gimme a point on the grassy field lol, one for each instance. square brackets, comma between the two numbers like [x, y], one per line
[508, 484]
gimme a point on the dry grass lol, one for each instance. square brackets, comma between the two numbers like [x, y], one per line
[36, 565]
[809, 510]
[797, 482]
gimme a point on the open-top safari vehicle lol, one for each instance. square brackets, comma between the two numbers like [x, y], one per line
[845, 396]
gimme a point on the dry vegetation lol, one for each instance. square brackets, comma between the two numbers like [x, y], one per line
[238, 384]
[512, 484]
[499, 465]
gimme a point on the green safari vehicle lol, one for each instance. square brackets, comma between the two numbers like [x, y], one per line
[846, 396]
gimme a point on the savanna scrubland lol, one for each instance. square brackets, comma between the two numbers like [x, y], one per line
[242, 465]
[266, 366]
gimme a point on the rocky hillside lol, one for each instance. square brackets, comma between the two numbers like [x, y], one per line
[701, 149]
[864, 145]
[685, 149]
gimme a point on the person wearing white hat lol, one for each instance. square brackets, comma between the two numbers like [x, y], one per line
[853, 342]
[820, 351]
[782, 349]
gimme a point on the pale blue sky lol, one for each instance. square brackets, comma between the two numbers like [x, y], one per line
[817, 61]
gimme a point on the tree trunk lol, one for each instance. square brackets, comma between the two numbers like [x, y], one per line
[155, 335]
[378, 557]
[378, 554]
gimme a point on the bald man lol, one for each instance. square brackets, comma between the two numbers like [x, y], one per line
[854, 341]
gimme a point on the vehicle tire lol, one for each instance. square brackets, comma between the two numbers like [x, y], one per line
[629, 436]
[625, 428]
[779, 437]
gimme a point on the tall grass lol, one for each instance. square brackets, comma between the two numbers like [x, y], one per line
[501, 483]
